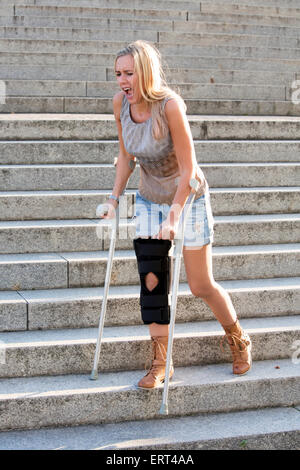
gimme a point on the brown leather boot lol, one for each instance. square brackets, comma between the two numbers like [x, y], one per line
[240, 345]
[156, 374]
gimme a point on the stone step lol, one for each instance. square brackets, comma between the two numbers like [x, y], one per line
[101, 176]
[106, 23]
[175, 37]
[13, 312]
[18, 2]
[213, 107]
[148, 25]
[80, 308]
[229, 14]
[28, 403]
[262, 429]
[36, 105]
[212, 26]
[166, 49]
[243, 18]
[272, 3]
[233, 6]
[7, 10]
[263, 10]
[97, 151]
[71, 351]
[104, 105]
[87, 269]
[242, 230]
[140, 4]
[141, 13]
[80, 204]
[206, 39]
[108, 89]
[288, 3]
[95, 234]
[185, 61]
[44, 32]
[66, 204]
[219, 51]
[174, 75]
[101, 126]
[67, 72]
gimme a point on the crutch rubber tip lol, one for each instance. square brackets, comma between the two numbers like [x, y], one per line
[94, 375]
[163, 409]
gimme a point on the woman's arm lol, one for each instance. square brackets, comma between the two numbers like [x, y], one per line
[123, 169]
[185, 153]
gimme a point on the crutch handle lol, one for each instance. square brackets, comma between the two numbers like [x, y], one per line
[194, 184]
[101, 210]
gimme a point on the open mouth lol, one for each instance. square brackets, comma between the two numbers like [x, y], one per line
[128, 91]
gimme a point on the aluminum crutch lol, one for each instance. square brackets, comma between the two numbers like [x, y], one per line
[101, 210]
[194, 184]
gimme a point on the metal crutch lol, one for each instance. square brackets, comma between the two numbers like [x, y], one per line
[101, 210]
[194, 184]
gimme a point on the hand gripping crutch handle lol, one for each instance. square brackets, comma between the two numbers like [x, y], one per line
[194, 184]
[102, 209]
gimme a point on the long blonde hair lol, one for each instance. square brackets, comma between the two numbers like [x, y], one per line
[152, 82]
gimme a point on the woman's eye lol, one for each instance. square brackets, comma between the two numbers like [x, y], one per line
[128, 73]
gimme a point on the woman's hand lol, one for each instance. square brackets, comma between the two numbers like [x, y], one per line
[107, 210]
[167, 231]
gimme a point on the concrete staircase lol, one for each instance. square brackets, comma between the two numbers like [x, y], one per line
[239, 59]
[235, 65]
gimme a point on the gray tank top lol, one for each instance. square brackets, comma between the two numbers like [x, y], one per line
[158, 163]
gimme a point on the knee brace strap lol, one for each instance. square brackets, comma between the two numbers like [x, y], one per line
[152, 256]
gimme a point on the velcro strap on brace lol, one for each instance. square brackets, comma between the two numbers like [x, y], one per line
[155, 265]
[146, 247]
[150, 301]
[157, 315]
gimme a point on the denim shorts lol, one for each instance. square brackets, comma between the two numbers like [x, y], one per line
[199, 226]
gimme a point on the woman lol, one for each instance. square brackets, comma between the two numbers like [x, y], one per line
[153, 127]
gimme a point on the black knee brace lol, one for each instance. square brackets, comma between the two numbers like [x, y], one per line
[152, 256]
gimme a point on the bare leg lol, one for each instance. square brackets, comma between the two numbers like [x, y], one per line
[198, 266]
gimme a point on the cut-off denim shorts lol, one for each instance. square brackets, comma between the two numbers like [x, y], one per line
[199, 226]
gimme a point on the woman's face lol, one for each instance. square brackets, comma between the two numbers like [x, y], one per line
[127, 78]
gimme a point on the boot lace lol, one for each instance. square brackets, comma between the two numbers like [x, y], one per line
[150, 367]
[239, 344]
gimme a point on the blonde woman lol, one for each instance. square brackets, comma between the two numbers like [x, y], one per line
[153, 128]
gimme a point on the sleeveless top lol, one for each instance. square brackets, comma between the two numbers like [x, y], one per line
[158, 163]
